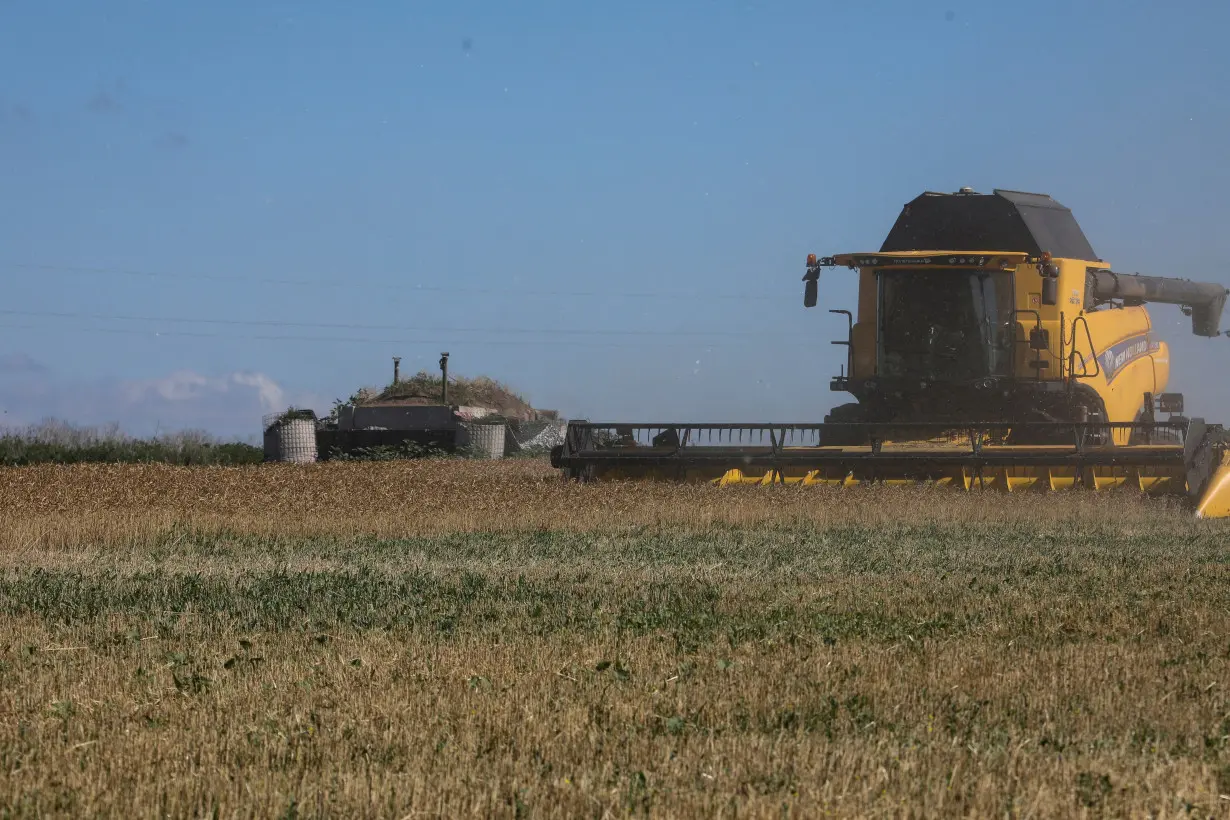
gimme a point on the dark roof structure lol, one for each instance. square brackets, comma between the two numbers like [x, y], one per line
[1000, 221]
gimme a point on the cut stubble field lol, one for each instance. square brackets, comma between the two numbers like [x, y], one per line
[446, 638]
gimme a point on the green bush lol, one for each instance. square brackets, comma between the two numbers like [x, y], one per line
[55, 442]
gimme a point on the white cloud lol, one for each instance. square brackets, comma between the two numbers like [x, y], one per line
[227, 404]
[181, 385]
[190, 386]
[272, 396]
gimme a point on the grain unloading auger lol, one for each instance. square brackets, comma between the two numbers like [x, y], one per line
[992, 349]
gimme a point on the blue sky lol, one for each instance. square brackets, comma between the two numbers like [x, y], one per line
[620, 194]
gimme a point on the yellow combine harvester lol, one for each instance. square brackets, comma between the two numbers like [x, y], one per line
[992, 348]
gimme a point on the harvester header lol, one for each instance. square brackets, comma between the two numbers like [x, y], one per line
[991, 347]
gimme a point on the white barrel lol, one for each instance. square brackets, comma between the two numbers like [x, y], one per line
[292, 440]
[483, 440]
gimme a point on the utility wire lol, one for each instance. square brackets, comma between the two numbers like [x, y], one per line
[347, 339]
[359, 286]
[547, 331]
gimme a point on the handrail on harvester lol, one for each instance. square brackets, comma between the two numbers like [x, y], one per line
[638, 434]
[792, 444]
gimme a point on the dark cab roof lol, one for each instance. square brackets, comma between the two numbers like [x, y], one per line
[999, 221]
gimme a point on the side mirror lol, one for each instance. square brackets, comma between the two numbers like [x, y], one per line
[810, 293]
[1050, 291]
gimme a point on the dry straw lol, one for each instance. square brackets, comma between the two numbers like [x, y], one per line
[455, 639]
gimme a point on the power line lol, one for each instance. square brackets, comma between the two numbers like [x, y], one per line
[550, 331]
[342, 339]
[352, 285]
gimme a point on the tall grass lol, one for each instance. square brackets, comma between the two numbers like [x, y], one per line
[54, 442]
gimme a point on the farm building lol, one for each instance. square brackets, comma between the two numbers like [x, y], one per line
[485, 418]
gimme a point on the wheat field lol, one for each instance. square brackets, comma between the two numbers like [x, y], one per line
[443, 639]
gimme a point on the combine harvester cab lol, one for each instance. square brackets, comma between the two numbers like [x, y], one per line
[991, 349]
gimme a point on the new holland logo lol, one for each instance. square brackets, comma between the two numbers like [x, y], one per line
[1115, 358]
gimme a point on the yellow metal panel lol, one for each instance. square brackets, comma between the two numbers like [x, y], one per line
[989, 479]
[1123, 389]
[1215, 503]
[864, 338]
[1102, 481]
[818, 479]
[1061, 478]
[868, 301]
[1161, 367]
[1055, 319]
[1024, 482]
[1157, 484]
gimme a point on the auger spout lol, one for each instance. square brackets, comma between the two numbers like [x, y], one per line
[1206, 299]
